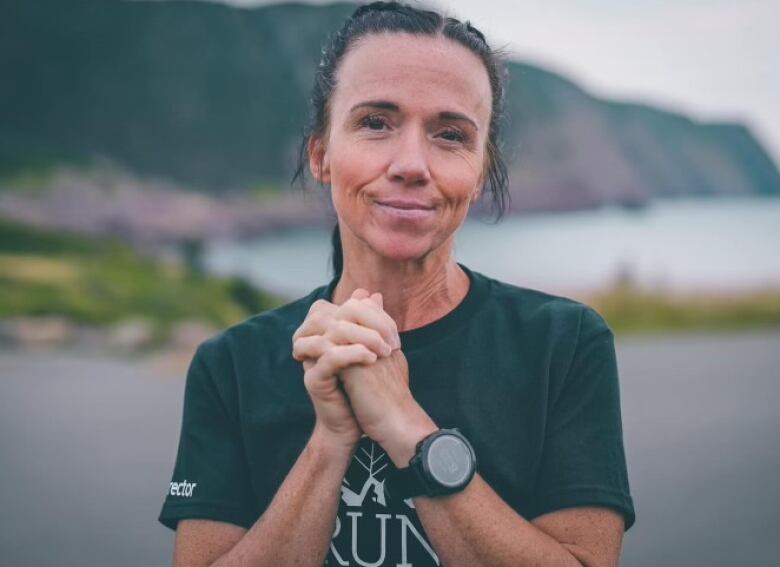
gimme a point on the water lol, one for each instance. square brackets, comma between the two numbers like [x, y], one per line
[717, 245]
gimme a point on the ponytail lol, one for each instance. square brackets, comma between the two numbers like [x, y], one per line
[337, 254]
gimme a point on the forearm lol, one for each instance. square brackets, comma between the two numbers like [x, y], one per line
[477, 528]
[297, 527]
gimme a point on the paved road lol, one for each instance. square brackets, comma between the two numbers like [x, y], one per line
[86, 449]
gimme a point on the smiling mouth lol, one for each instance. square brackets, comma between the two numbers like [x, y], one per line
[406, 212]
[405, 205]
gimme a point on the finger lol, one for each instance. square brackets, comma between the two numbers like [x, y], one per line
[360, 293]
[317, 319]
[337, 359]
[346, 332]
[310, 347]
[321, 305]
[365, 296]
[377, 298]
[369, 316]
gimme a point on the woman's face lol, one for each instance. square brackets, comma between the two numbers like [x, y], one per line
[405, 148]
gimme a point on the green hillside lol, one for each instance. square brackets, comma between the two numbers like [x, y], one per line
[202, 93]
[100, 282]
[214, 97]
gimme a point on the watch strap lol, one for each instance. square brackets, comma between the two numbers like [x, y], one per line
[405, 483]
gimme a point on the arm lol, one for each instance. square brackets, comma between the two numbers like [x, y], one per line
[296, 528]
[477, 528]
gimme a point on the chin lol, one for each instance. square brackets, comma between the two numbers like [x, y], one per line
[403, 249]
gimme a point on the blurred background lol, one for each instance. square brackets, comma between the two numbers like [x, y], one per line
[146, 149]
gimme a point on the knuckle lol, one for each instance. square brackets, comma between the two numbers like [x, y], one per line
[393, 324]
[344, 354]
[376, 335]
[364, 352]
[342, 327]
[329, 357]
[323, 345]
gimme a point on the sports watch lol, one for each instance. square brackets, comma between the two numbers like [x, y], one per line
[444, 463]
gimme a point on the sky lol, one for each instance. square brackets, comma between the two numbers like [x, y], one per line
[713, 60]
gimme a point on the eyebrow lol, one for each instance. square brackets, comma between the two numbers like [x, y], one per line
[391, 106]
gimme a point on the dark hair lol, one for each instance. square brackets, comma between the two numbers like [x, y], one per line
[382, 17]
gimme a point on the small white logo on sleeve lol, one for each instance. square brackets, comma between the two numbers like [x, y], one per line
[183, 488]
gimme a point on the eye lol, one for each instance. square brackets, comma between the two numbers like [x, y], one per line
[453, 135]
[373, 122]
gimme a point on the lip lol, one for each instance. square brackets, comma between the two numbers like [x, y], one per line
[406, 211]
[405, 204]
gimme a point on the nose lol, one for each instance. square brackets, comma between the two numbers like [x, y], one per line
[409, 161]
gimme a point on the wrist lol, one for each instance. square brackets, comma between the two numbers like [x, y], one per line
[402, 446]
[331, 448]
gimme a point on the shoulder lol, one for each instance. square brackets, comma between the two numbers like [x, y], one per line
[267, 332]
[539, 311]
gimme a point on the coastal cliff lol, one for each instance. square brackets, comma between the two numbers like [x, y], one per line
[213, 98]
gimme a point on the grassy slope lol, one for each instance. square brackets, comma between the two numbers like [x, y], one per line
[629, 310]
[101, 282]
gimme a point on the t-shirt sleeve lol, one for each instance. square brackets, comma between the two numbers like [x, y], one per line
[583, 459]
[211, 477]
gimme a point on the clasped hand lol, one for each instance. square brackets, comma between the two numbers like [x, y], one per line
[357, 376]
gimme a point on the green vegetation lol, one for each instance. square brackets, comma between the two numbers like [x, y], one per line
[29, 180]
[264, 192]
[215, 96]
[100, 282]
[630, 310]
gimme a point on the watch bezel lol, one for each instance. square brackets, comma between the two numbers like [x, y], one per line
[419, 463]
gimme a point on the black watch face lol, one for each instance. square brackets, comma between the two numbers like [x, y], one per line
[449, 461]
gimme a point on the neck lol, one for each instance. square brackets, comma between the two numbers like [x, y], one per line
[414, 292]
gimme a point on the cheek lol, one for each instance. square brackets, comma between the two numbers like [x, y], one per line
[352, 169]
[460, 178]
[350, 173]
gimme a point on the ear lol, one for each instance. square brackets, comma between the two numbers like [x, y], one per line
[319, 163]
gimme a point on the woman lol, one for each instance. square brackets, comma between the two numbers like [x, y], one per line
[425, 414]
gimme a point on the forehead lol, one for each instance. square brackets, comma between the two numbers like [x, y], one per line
[430, 71]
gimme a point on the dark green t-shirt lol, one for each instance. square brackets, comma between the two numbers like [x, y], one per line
[529, 378]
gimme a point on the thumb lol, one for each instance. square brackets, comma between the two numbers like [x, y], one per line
[377, 298]
[360, 293]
